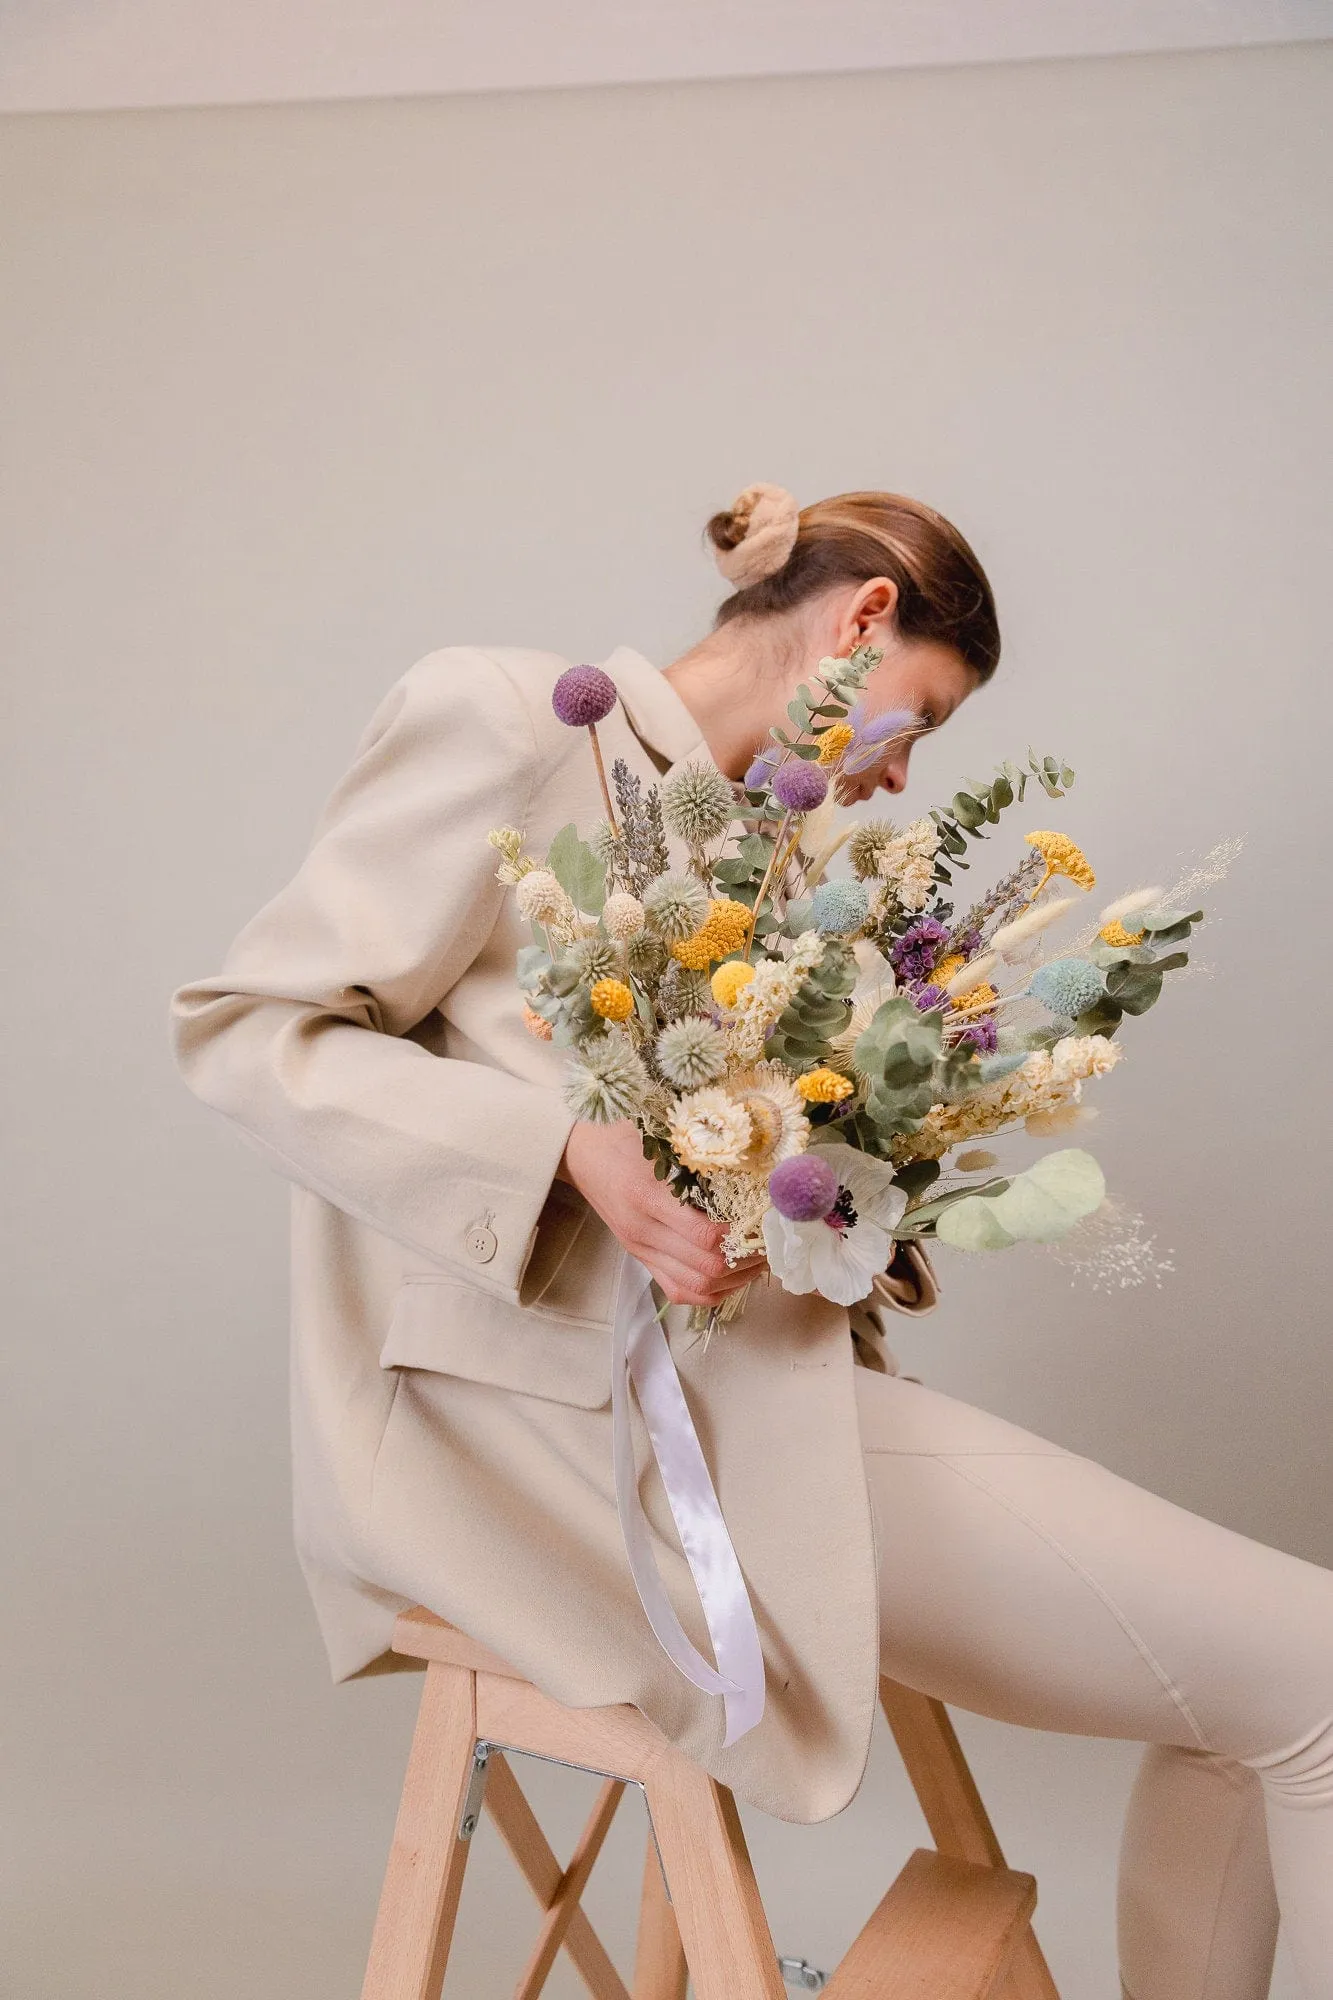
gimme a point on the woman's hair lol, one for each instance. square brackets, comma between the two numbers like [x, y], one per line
[943, 592]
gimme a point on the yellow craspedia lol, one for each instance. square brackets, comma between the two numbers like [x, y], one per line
[730, 981]
[612, 999]
[824, 1086]
[1062, 857]
[537, 1024]
[834, 741]
[1116, 934]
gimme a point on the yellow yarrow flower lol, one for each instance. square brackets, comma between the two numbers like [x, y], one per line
[537, 1024]
[980, 998]
[723, 930]
[832, 742]
[946, 968]
[1116, 934]
[612, 999]
[824, 1086]
[730, 981]
[1062, 857]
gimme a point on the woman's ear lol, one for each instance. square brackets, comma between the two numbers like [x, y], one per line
[868, 614]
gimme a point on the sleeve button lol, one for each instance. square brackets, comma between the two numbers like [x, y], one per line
[480, 1243]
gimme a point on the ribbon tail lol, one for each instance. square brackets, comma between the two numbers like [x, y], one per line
[640, 1354]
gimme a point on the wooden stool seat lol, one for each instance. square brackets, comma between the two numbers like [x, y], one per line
[954, 1925]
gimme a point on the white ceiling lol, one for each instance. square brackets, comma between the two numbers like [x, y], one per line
[100, 54]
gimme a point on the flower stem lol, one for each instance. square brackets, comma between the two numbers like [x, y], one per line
[601, 773]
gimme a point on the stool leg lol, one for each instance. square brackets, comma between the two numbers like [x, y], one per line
[958, 1821]
[728, 1946]
[659, 1960]
[424, 1879]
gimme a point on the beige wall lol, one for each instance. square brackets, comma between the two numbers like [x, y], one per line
[295, 395]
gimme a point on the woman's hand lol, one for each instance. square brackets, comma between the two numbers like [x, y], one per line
[678, 1246]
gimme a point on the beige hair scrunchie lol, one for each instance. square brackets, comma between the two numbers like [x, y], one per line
[768, 518]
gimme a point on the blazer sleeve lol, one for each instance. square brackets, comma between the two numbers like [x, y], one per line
[298, 1040]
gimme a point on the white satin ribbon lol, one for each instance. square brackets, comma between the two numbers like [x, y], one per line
[639, 1353]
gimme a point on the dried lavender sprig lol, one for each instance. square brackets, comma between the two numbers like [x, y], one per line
[641, 826]
[1016, 885]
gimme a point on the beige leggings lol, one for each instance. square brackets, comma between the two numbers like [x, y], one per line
[1026, 1582]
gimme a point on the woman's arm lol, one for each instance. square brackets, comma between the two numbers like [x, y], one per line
[298, 1039]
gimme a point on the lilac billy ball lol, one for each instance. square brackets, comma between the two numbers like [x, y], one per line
[803, 1189]
[799, 787]
[583, 695]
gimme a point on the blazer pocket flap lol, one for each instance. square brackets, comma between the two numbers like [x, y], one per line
[454, 1329]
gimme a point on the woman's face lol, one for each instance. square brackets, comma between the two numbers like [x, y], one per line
[917, 674]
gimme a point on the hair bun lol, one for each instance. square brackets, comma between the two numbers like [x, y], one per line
[755, 536]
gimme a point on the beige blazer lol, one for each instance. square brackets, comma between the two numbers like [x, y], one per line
[451, 1301]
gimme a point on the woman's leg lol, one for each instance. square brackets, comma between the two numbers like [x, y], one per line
[1027, 1582]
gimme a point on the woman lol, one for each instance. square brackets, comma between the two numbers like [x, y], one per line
[456, 1240]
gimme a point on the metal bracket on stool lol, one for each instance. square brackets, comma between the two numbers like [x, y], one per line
[476, 1791]
[799, 1972]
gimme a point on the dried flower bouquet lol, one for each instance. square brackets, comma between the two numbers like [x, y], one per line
[812, 1060]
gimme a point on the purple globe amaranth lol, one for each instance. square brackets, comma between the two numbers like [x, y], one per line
[583, 696]
[799, 787]
[803, 1189]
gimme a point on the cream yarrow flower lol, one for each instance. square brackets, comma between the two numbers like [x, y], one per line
[612, 999]
[697, 805]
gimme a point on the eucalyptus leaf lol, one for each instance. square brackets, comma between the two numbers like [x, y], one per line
[973, 1224]
[577, 870]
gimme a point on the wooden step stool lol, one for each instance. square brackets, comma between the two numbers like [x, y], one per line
[955, 1925]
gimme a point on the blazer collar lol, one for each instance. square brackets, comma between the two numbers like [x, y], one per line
[657, 715]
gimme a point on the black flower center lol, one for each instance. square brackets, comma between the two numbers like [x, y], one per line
[842, 1215]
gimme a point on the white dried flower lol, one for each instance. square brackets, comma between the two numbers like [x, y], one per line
[969, 977]
[675, 906]
[622, 917]
[608, 1082]
[710, 1131]
[778, 1124]
[691, 1052]
[698, 805]
[1129, 906]
[542, 900]
[1029, 925]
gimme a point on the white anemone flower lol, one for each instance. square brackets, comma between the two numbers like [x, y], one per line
[841, 1256]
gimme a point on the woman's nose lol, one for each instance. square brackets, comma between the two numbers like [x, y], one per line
[893, 776]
